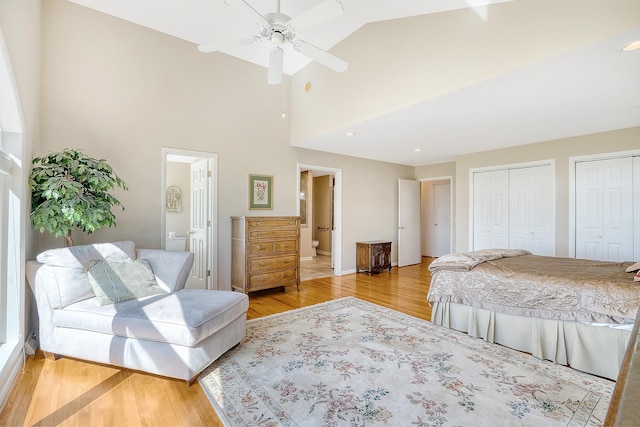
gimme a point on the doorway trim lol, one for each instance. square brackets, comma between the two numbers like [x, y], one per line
[212, 258]
[337, 209]
[451, 201]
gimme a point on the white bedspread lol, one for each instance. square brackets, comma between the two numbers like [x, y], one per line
[537, 286]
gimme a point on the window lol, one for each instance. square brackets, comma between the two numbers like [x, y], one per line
[13, 212]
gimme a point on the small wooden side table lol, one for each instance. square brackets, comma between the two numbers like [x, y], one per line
[373, 256]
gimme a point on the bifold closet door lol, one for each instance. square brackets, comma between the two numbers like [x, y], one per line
[491, 209]
[605, 210]
[532, 210]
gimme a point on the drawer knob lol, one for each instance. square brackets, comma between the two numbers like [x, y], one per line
[257, 233]
[262, 263]
[259, 247]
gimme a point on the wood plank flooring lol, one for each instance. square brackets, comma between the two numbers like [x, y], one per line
[70, 392]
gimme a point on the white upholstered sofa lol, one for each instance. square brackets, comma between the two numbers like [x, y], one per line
[173, 332]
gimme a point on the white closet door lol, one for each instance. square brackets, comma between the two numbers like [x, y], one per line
[604, 210]
[491, 209]
[532, 210]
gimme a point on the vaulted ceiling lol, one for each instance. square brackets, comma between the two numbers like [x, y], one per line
[471, 75]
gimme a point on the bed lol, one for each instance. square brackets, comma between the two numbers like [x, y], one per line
[571, 311]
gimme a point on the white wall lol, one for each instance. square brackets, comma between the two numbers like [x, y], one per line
[121, 92]
[20, 28]
[399, 63]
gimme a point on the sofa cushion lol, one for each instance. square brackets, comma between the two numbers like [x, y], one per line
[120, 281]
[66, 269]
[184, 318]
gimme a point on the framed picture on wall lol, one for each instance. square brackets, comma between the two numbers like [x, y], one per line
[260, 192]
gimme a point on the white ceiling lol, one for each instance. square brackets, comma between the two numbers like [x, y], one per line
[592, 89]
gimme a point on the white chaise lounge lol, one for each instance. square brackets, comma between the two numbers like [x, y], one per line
[173, 332]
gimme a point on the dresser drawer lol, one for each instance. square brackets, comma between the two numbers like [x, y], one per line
[261, 248]
[272, 223]
[274, 263]
[268, 280]
[283, 246]
[273, 233]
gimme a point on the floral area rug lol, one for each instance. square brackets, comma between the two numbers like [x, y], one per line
[351, 363]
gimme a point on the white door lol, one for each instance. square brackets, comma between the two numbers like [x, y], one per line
[532, 210]
[408, 223]
[199, 225]
[604, 210]
[441, 229]
[491, 209]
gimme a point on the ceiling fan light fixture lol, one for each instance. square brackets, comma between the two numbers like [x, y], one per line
[631, 46]
[274, 74]
[280, 29]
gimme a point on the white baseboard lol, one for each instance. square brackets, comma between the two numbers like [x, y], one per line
[11, 359]
[306, 258]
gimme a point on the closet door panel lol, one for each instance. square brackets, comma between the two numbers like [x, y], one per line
[618, 209]
[519, 202]
[532, 210]
[589, 194]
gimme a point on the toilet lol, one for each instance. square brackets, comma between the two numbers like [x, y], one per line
[314, 245]
[176, 243]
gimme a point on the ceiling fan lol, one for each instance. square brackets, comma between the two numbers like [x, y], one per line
[279, 29]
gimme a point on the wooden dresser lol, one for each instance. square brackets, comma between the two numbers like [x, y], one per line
[373, 256]
[265, 252]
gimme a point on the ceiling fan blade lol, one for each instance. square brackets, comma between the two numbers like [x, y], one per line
[322, 56]
[276, 59]
[227, 44]
[319, 14]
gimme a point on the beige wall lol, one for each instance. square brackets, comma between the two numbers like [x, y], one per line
[369, 199]
[559, 150]
[537, 29]
[122, 92]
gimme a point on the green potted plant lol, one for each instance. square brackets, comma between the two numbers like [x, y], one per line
[70, 189]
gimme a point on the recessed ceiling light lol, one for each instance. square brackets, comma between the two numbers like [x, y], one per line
[417, 149]
[634, 45]
[350, 133]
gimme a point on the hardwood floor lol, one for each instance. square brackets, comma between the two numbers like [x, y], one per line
[70, 392]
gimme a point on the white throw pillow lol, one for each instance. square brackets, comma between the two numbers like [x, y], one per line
[121, 281]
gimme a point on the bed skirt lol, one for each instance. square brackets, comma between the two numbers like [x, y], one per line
[594, 348]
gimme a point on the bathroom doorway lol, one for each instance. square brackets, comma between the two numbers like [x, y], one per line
[189, 211]
[320, 210]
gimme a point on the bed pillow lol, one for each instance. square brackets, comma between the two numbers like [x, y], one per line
[121, 281]
[633, 267]
[636, 278]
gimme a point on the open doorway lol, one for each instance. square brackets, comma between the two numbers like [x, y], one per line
[320, 210]
[189, 211]
[436, 212]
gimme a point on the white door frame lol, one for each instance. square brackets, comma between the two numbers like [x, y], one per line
[451, 212]
[572, 188]
[337, 209]
[212, 283]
